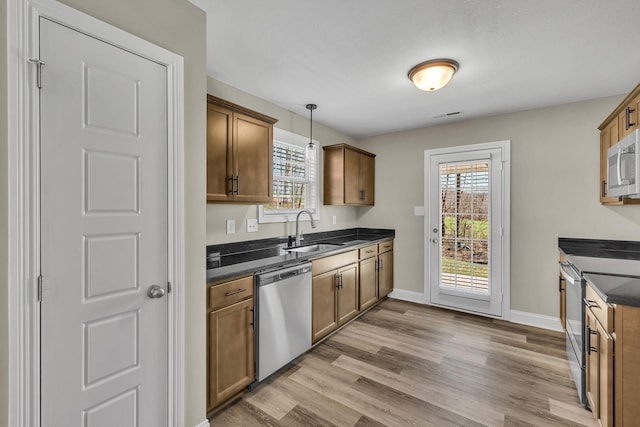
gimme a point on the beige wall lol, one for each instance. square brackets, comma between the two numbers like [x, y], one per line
[218, 213]
[180, 27]
[4, 315]
[554, 192]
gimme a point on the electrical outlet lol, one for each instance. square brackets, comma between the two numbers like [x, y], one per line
[231, 226]
[333, 220]
[252, 225]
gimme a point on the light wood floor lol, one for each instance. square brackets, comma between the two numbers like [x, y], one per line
[403, 364]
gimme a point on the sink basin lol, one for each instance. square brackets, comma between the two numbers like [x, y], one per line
[317, 247]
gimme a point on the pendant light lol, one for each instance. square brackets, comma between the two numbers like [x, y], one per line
[433, 74]
[311, 107]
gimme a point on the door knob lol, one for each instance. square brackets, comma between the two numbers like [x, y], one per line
[434, 240]
[155, 291]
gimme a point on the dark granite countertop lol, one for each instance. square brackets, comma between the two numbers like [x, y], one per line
[620, 249]
[611, 266]
[616, 289]
[235, 259]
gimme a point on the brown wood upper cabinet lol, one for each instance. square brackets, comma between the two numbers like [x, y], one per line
[620, 123]
[349, 176]
[239, 153]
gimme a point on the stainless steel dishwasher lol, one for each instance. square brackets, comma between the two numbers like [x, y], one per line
[284, 317]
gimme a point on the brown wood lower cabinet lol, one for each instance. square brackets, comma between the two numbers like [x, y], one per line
[368, 281]
[334, 292]
[230, 352]
[385, 273]
[612, 360]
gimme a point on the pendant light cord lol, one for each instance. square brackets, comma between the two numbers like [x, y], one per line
[311, 107]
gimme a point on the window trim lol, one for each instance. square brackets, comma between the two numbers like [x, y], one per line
[289, 215]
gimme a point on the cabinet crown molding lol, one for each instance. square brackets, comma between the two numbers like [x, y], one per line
[239, 108]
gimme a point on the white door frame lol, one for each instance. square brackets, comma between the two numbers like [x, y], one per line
[23, 204]
[505, 146]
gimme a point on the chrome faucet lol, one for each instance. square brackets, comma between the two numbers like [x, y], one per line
[298, 231]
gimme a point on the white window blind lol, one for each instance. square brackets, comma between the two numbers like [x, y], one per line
[295, 183]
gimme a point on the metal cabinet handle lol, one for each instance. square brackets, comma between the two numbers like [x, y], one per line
[591, 304]
[628, 123]
[361, 194]
[377, 267]
[380, 265]
[155, 291]
[590, 348]
[237, 179]
[603, 191]
[237, 291]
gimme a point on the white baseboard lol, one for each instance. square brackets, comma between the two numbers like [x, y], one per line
[537, 320]
[411, 296]
[205, 423]
[521, 317]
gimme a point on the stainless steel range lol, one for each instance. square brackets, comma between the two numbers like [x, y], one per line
[573, 271]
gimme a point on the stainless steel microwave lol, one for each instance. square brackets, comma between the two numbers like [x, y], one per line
[623, 173]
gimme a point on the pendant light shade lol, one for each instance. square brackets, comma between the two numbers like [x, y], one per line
[434, 74]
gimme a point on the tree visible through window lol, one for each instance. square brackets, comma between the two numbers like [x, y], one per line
[294, 177]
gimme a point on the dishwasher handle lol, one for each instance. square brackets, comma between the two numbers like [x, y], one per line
[283, 274]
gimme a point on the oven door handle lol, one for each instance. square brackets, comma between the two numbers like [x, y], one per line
[568, 277]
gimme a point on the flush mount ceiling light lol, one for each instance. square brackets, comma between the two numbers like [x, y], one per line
[434, 74]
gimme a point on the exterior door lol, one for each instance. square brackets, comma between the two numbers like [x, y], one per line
[464, 228]
[103, 234]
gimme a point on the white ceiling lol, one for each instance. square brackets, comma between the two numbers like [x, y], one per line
[351, 57]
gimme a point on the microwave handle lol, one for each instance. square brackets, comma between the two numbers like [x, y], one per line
[619, 165]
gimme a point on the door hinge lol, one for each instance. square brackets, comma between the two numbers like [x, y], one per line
[40, 290]
[39, 65]
[169, 287]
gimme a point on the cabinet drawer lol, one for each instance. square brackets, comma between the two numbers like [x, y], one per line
[601, 310]
[334, 262]
[385, 246]
[368, 251]
[226, 293]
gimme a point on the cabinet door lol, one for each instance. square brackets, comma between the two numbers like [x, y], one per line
[592, 363]
[324, 304]
[230, 351]
[348, 302]
[605, 377]
[367, 179]
[219, 148]
[368, 282]
[352, 195]
[628, 118]
[608, 137]
[385, 273]
[252, 159]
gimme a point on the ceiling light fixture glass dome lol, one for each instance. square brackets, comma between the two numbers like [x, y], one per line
[433, 74]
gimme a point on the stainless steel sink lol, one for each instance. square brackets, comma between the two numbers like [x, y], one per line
[317, 247]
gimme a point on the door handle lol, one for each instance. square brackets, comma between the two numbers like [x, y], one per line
[434, 240]
[155, 291]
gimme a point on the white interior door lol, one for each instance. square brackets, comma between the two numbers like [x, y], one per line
[465, 229]
[103, 233]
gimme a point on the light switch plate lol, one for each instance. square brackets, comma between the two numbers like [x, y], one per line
[252, 225]
[418, 210]
[231, 226]
[333, 220]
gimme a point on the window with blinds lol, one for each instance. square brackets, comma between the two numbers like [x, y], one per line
[464, 216]
[295, 184]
